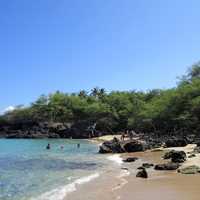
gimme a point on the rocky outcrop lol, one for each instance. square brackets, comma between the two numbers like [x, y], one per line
[176, 142]
[167, 166]
[113, 146]
[81, 129]
[117, 146]
[134, 146]
[175, 156]
[30, 129]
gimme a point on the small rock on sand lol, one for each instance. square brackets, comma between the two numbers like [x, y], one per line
[130, 159]
[142, 174]
[193, 169]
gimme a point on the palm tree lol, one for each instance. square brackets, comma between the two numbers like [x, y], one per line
[95, 92]
[82, 94]
[102, 92]
[194, 71]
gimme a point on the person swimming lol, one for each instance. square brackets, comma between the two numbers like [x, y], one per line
[48, 146]
[78, 145]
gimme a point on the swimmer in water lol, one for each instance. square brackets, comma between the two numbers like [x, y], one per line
[48, 146]
[62, 147]
[78, 145]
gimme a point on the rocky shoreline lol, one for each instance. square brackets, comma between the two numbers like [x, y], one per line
[146, 142]
[140, 142]
[83, 130]
[175, 150]
[34, 130]
[137, 178]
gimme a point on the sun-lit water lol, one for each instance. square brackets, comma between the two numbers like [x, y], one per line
[29, 171]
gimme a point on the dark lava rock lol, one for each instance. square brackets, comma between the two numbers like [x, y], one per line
[142, 173]
[130, 159]
[117, 146]
[176, 156]
[134, 146]
[176, 142]
[168, 154]
[147, 165]
[167, 166]
[113, 146]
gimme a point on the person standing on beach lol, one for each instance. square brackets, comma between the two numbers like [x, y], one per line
[122, 136]
[130, 134]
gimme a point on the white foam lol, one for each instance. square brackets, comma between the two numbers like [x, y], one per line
[124, 173]
[123, 181]
[61, 192]
[116, 158]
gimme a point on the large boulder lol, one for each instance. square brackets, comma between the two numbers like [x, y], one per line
[175, 142]
[113, 146]
[175, 156]
[167, 166]
[117, 146]
[134, 146]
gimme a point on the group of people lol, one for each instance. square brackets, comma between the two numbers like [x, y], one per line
[62, 147]
[128, 133]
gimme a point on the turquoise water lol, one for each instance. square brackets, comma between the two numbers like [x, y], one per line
[29, 171]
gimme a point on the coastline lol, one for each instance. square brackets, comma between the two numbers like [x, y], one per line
[121, 182]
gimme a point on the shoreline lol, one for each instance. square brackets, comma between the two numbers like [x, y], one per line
[121, 183]
[117, 181]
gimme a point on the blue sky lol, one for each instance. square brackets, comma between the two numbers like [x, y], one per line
[49, 45]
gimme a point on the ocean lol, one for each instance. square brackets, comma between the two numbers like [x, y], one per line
[28, 171]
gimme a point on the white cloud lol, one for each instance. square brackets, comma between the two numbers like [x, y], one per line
[8, 109]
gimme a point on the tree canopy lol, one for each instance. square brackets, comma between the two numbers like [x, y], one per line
[163, 111]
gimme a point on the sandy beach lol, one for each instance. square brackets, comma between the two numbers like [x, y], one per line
[121, 183]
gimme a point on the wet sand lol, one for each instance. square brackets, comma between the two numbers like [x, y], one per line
[116, 185]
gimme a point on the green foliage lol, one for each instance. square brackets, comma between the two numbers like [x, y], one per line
[156, 110]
